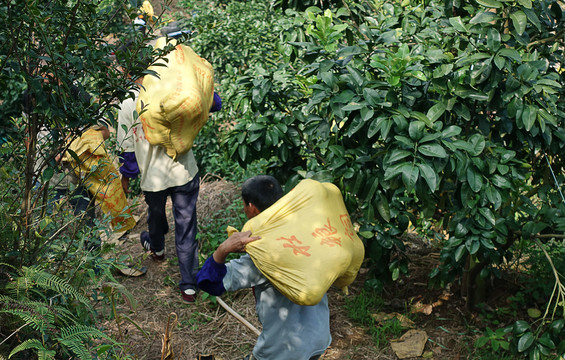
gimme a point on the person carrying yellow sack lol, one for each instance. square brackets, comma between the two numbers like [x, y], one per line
[163, 176]
[97, 172]
[291, 331]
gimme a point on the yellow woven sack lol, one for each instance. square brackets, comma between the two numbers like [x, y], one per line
[101, 178]
[307, 243]
[177, 103]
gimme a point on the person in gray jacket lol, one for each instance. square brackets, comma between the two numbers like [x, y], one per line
[290, 331]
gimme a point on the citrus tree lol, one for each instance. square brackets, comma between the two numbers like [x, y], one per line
[442, 112]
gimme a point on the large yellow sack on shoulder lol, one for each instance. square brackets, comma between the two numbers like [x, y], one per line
[176, 104]
[97, 171]
[307, 243]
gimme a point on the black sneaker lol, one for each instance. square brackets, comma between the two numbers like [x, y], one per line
[156, 255]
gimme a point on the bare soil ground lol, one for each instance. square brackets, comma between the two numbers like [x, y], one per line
[205, 327]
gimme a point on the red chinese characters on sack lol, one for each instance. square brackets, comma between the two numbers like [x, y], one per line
[327, 235]
[293, 243]
[346, 222]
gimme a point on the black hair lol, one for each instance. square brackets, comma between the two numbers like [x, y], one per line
[261, 191]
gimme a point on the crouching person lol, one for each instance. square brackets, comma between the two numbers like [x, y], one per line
[290, 331]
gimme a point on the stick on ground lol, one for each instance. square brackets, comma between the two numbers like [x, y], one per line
[238, 317]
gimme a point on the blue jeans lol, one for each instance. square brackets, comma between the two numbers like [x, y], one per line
[184, 210]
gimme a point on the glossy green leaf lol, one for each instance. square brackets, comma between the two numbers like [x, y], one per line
[477, 142]
[404, 140]
[473, 247]
[525, 3]
[487, 243]
[374, 127]
[460, 253]
[383, 208]
[429, 175]
[500, 62]
[242, 150]
[490, 3]
[432, 150]
[529, 116]
[474, 179]
[385, 128]
[367, 113]
[328, 78]
[397, 154]
[352, 106]
[436, 111]
[488, 214]
[483, 17]
[520, 327]
[458, 24]
[501, 182]
[525, 341]
[430, 137]
[371, 96]
[519, 21]
[493, 39]
[511, 53]
[493, 197]
[410, 175]
[416, 130]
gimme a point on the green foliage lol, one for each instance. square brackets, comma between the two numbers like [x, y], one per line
[212, 230]
[416, 113]
[52, 317]
[227, 36]
[538, 277]
[534, 341]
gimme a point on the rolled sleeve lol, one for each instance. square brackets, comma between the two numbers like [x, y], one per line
[217, 104]
[129, 167]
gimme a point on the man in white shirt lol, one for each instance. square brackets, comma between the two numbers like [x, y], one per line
[161, 177]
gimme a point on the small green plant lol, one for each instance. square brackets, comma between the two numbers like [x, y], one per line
[496, 339]
[196, 319]
[362, 309]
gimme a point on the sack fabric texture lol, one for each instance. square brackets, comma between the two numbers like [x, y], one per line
[175, 104]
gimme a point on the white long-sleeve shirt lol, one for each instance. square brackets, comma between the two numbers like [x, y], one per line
[158, 170]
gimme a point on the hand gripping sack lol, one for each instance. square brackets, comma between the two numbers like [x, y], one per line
[97, 171]
[307, 243]
[176, 104]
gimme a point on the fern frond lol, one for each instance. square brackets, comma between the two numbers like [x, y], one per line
[42, 352]
[74, 337]
[77, 348]
[49, 281]
[80, 332]
[65, 317]
[33, 313]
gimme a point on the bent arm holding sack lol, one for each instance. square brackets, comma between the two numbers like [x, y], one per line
[290, 331]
